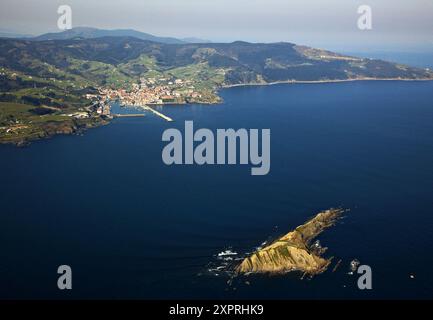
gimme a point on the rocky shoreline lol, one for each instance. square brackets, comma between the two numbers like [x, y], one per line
[294, 251]
[50, 129]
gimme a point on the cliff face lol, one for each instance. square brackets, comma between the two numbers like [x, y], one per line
[293, 251]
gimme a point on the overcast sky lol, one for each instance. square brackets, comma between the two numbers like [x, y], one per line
[323, 23]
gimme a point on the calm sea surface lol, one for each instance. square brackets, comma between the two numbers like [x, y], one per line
[131, 227]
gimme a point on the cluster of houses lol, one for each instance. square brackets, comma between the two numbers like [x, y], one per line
[153, 91]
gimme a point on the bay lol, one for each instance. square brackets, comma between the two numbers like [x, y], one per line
[131, 227]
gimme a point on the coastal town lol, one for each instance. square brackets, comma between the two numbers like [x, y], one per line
[152, 91]
[145, 93]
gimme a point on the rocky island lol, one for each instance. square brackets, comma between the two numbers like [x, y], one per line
[294, 251]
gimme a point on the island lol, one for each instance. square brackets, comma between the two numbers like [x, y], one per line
[295, 250]
[50, 87]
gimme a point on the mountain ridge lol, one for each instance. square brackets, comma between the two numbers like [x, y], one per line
[244, 62]
[90, 33]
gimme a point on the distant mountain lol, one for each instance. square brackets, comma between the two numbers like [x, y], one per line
[5, 34]
[195, 40]
[91, 33]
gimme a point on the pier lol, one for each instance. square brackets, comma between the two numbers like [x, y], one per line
[159, 114]
[145, 107]
[128, 115]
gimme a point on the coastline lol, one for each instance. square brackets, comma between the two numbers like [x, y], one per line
[319, 81]
[81, 127]
[67, 128]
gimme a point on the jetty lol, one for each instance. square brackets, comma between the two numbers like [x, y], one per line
[145, 107]
[128, 115]
[159, 114]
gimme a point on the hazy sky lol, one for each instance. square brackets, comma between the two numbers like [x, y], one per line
[324, 23]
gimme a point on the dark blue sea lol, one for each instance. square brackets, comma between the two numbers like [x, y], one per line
[131, 227]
